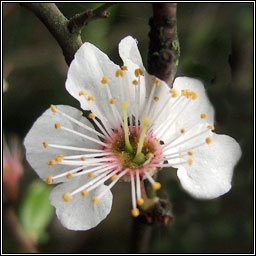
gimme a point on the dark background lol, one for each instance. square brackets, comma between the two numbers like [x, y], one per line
[216, 42]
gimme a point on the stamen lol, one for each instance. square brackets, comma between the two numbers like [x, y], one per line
[208, 140]
[52, 162]
[53, 108]
[57, 126]
[128, 146]
[45, 144]
[120, 73]
[211, 127]
[104, 80]
[84, 193]
[135, 82]
[140, 200]
[69, 175]
[135, 212]
[190, 161]
[203, 115]
[124, 68]
[95, 200]
[140, 157]
[75, 148]
[49, 180]
[174, 93]
[155, 185]
[112, 101]
[67, 197]
[83, 93]
[156, 98]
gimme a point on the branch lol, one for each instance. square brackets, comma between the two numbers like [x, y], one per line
[56, 23]
[164, 49]
[81, 19]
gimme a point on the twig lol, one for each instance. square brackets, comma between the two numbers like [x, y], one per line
[81, 19]
[164, 49]
[26, 243]
[56, 23]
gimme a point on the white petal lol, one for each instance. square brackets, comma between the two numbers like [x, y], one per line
[80, 213]
[129, 52]
[210, 175]
[191, 115]
[43, 130]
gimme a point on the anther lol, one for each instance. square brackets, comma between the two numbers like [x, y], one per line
[90, 175]
[140, 201]
[104, 80]
[91, 115]
[67, 197]
[156, 186]
[57, 126]
[208, 140]
[149, 155]
[120, 73]
[157, 82]
[125, 104]
[95, 200]
[49, 180]
[182, 130]
[211, 127]
[53, 108]
[191, 153]
[69, 175]
[59, 158]
[135, 82]
[135, 212]
[194, 95]
[203, 115]
[45, 144]
[156, 98]
[174, 93]
[124, 68]
[52, 162]
[83, 93]
[190, 161]
[114, 177]
[92, 98]
[83, 158]
[84, 193]
[112, 101]
[138, 72]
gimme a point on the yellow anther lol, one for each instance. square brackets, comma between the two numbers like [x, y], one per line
[190, 161]
[49, 180]
[149, 155]
[104, 80]
[91, 115]
[57, 126]
[83, 158]
[69, 175]
[191, 153]
[194, 95]
[182, 130]
[95, 200]
[135, 82]
[140, 201]
[208, 140]
[114, 177]
[138, 72]
[83, 93]
[59, 158]
[174, 93]
[53, 108]
[157, 82]
[203, 115]
[52, 162]
[156, 186]
[112, 101]
[45, 144]
[92, 98]
[135, 212]
[184, 92]
[125, 104]
[90, 175]
[84, 193]
[156, 98]
[124, 68]
[67, 197]
[120, 73]
[211, 127]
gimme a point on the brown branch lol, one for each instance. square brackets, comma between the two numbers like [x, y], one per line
[164, 47]
[81, 19]
[56, 23]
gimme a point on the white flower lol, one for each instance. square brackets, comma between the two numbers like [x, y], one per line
[141, 125]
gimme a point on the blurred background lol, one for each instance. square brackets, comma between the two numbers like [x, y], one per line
[216, 42]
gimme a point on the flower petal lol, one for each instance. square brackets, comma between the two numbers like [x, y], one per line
[43, 130]
[211, 173]
[192, 114]
[80, 213]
